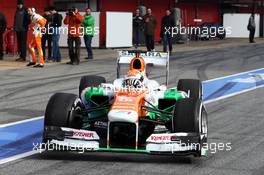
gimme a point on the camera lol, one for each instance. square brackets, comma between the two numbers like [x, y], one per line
[71, 11]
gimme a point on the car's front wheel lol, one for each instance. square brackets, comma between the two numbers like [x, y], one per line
[192, 87]
[63, 110]
[190, 117]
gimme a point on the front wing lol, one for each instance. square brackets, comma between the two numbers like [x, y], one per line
[68, 139]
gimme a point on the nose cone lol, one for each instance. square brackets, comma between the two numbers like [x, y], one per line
[123, 116]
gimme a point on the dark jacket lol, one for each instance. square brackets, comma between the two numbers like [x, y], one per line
[48, 23]
[138, 23]
[56, 20]
[48, 18]
[167, 22]
[21, 20]
[251, 23]
[150, 24]
[2, 23]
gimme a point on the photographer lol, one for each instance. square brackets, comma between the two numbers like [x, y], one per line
[73, 20]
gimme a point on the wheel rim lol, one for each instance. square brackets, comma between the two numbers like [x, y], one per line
[76, 108]
[204, 123]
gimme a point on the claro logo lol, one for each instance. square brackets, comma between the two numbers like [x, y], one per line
[83, 134]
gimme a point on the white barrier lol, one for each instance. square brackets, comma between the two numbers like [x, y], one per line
[238, 23]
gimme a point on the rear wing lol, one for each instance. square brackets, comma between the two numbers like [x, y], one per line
[152, 58]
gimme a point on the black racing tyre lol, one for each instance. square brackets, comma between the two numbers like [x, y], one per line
[190, 116]
[185, 117]
[63, 110]
[90, 81]
[191, 85]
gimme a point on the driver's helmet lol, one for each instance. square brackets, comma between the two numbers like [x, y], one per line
[134, 79]
[135, 74]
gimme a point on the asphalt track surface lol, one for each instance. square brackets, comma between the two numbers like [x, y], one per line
[239, 120]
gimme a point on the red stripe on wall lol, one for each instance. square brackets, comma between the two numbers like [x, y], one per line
[207, 12]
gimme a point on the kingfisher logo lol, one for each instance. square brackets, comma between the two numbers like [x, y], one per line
[83, 134]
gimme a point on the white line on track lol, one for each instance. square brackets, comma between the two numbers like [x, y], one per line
[23, 155]
[21, 121]
[233, 94]
[18, 156]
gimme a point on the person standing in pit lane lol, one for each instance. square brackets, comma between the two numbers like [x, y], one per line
[56, 19]
[74, 20]
[167, 23]
[21, 22]
[88, 27]
[39, 23]
[149, 29]
[46, 38]
[138, 27]
[252, 28]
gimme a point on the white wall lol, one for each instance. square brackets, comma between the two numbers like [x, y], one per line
[95, 41]
[119, 29]
[238, 24]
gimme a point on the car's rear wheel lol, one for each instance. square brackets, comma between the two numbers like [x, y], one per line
[63, 110]
[90, 81]
[192, 87]
[190, 117]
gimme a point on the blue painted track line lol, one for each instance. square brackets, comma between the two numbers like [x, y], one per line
[19, 138]
[232, 85]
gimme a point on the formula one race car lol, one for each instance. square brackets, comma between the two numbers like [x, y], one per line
[132, 114]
